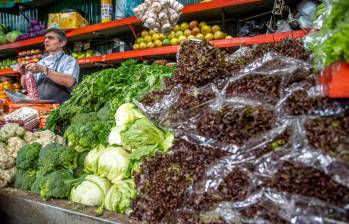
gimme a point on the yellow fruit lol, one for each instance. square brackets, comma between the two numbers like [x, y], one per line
[150, 45]
[209, 36]
[193, 24]
[187, 33]
[196, 31]
[177, 28]
[184, 26]
[206, 29]
[228, 37]
[142, 45]
[139, 40]
[179, 33]
[190, 37]
[181, 39]
[172, 35]
[216, 28]
[202, 24]
[147, 39]
[174, 41]
[200, 36]
[219, 35]
[158, 43]
[144, 33]
[162, 36]
[151, 32]
[136, 46]
[156, 37]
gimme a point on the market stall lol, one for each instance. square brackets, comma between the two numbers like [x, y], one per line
[211, 112]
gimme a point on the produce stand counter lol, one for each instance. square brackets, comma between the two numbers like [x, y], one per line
[17, 206]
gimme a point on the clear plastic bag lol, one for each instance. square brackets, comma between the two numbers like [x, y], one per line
[31, 85]
[287, 158]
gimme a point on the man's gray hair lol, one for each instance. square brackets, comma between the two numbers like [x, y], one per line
[60, 33]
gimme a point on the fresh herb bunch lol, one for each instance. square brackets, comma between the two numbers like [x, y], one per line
[110, 87]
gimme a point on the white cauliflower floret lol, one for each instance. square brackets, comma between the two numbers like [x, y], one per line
[60, 140]
[11, 130]
[29, 137]
[7, 176]
[14, 144]
[6, 161]
[45, 137]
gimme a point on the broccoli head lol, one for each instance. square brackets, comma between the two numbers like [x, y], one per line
[24, 179]
[57, 184]
[55, 156]
[82, 136]
[40, 177]
[79, 170]
[27, 156]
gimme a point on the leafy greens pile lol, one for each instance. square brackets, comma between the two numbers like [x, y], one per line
[331, 43]
[110, 88]
[131, 140]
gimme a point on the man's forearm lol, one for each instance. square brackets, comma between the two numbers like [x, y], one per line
[61, 78]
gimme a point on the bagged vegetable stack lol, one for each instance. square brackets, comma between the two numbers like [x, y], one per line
[248, 147]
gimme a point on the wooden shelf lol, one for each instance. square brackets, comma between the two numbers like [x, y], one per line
[7, 72]
[171, 50]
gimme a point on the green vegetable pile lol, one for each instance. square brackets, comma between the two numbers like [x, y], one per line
[138, 135]
[110, 88]
[110, 181]
[47, 170]
[331, 43]
[87, 135]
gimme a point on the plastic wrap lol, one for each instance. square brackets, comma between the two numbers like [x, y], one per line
[32, 88]
[330, 43]
[27, 117]
[287, 147]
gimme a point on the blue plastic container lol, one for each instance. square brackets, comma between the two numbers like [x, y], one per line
[188, 2]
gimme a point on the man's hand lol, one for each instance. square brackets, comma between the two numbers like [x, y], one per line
[35, 68]
[20, 68]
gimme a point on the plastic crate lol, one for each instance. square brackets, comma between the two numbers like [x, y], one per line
[188, 2]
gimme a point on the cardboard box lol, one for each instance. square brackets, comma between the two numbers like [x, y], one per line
[67, 20]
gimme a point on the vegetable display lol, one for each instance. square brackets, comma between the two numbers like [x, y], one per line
[35, 28]
[110, 88]
[242, 137]
[8, 36]
[268, 144]
[180, 33]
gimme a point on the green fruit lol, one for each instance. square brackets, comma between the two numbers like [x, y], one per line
[179, 33]
[166, 42]
[184, 26]
[139, 40]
